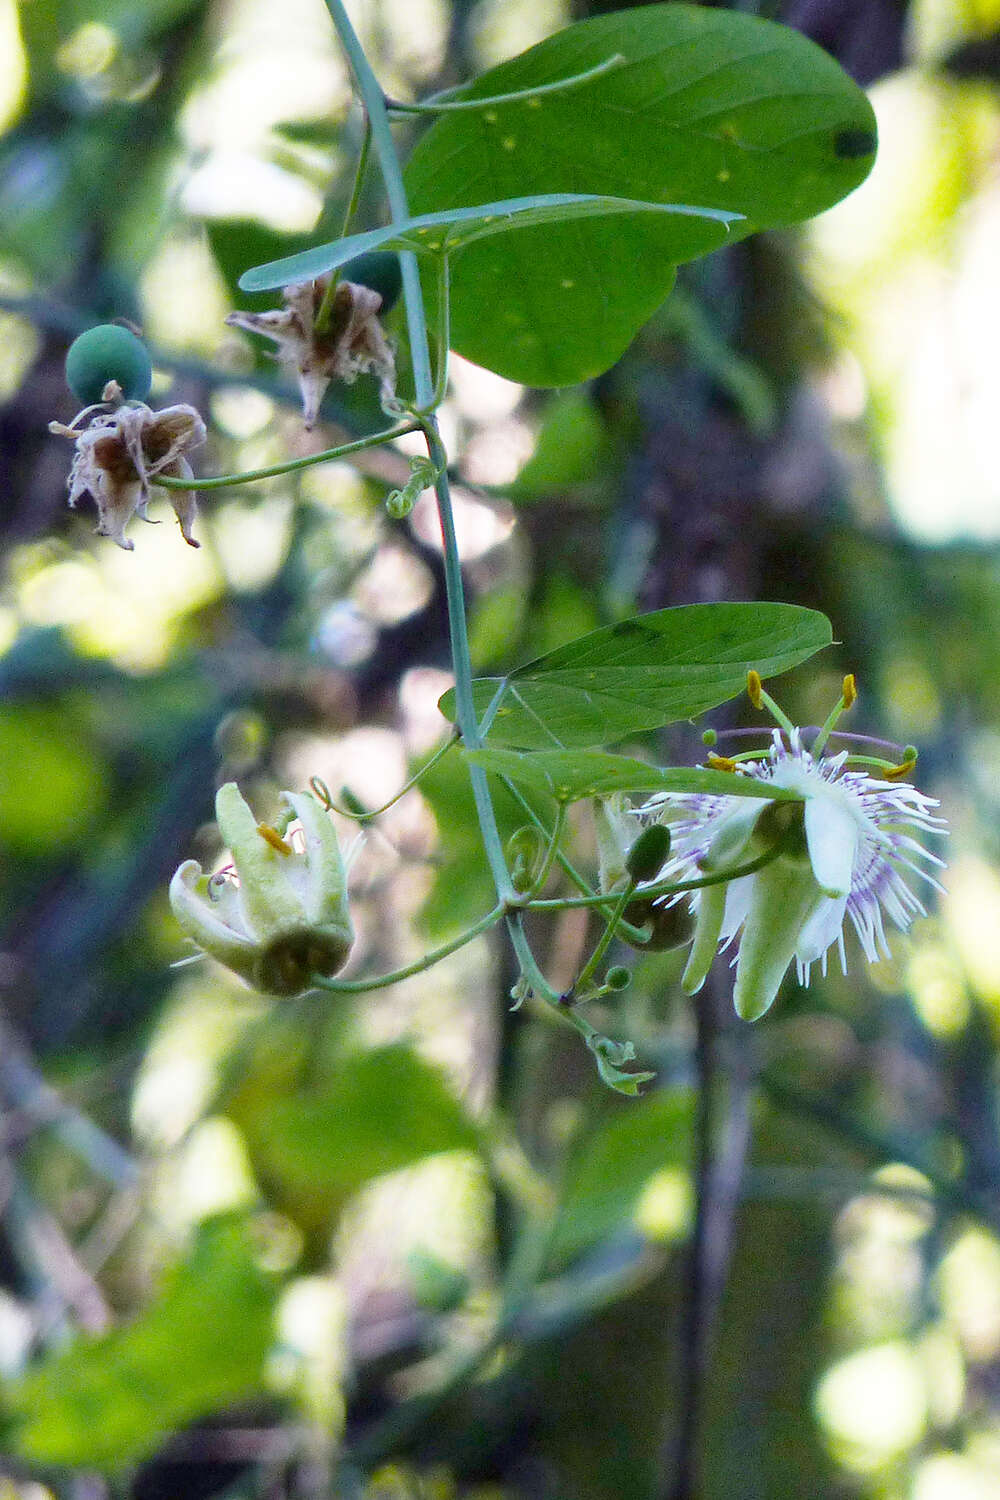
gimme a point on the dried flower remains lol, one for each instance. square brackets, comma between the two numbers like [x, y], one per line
[121, 448]
[320, 343]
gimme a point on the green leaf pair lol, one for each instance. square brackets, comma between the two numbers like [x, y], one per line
[566, 212]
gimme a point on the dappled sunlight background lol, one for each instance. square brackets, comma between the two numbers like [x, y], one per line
[305, 638]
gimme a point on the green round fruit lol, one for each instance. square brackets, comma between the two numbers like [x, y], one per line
[378, 269]
[108, 352]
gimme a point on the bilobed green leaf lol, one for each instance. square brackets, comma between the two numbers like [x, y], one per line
[103, 1403]
[382, 1111]
[708, 107]
[452, 230]
[570, 775]
[642, 673]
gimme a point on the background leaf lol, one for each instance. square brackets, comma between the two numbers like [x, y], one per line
[570, 775]
[571, 449]
[645, 672]
[382, 1111]
[710, 107]
[614, 1164]
[200, 1346]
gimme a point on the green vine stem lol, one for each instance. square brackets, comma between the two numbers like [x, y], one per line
[665, 887]
[633, 934]
[290, 466]
[554, 839]
[365, 814]
[438, 104]
[604, 941]
[385, 149]
[427, 961]
[326, 306]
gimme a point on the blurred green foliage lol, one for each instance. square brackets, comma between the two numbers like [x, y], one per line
[222, 1217]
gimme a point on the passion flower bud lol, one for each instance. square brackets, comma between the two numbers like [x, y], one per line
[649, 853]
[283, 917]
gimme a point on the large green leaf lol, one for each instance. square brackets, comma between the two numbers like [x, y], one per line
[451, 230]
[384, 1110]
[201, 1346]
[570, 775]
[641, 673]
[708, 107]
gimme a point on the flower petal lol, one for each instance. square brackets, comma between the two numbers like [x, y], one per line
[832, 833]
[200, 919]
[731, 840]
[325, 890]
[183, 501]
[269, 901]
[821, 929]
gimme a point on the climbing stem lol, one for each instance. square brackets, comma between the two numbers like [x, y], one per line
[633, 934]
[385, 149]
[382, 981]
[328, 455]
[605, 940]
[367, 814]
[555, 839]
[326, 306]
[667, 887]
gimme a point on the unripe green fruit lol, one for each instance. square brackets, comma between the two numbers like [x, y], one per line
[108, 352]
[378, 269]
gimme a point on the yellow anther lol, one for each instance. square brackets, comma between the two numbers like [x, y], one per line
[755, 688]
[273, 837]
[849, 690]
[896, 773]
[722, 762]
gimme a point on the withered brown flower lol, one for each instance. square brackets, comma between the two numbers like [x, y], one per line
[120, 451]
[351, 343]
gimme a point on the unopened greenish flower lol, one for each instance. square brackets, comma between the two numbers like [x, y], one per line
[280, 916]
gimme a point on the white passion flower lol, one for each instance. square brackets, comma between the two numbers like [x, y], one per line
[280, 915]
[846, 851]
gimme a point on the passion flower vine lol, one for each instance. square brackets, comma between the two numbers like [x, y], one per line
[846, 850]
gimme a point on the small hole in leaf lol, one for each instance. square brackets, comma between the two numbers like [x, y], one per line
[853, 142]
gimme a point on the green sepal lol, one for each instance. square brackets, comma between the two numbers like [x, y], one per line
[192, 905]
[270, 903]
[783, 898]
[708, 926]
